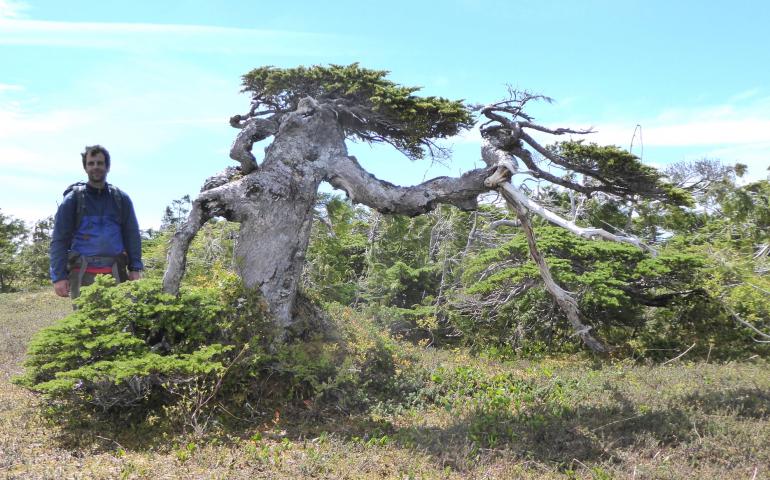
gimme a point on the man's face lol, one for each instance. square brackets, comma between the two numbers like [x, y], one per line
[96, 168]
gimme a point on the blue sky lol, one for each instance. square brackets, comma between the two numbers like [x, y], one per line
[155, 82]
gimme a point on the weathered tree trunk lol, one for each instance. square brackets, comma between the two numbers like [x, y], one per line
[274, 202]
[274, 205]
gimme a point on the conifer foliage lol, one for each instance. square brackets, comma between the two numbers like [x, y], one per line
[370, 107]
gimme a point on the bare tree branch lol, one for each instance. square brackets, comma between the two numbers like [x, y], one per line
[210, 203]
[513, 194]
[565, 301]
[559, 160]
[680, 355]
[556, 131]
[522, 204]
[252, 131]
[504, 223]
[510, 192]
[362, 187]
[746, 324]
[537, 172]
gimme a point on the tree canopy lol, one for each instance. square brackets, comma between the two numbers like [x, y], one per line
[370, 107]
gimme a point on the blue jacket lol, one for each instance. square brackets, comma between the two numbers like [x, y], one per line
[100, 232]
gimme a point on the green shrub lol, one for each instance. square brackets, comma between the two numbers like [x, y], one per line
[352, 368]
[128, 347]
[131, 352]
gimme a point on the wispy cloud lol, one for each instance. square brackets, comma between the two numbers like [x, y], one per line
[737, 130]
[12, 9]
[687, 134]
[157, 37]
[745, 95]
[7, 87]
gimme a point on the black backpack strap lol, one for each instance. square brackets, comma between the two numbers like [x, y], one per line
[80, 204]
[117, 196]
[79, 191]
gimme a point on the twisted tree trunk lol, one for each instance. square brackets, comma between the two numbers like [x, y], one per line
[273, 202]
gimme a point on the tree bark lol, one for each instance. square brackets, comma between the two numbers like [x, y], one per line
[361, 186]
[274, 202]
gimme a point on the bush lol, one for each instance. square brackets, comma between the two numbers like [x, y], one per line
[131, 352]
[351, 367]
[128, 348]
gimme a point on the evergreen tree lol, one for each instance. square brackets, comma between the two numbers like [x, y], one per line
[13, 232]
[34, 255]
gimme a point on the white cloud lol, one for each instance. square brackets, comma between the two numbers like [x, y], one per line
[745, 95]
[688, 133]
[7, 87]
[735, 131]
[15, 123]
[11, 9]
[155, 37]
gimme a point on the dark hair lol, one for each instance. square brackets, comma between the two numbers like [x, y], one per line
[93, 150]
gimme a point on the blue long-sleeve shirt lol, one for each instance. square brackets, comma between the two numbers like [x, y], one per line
[100, 233]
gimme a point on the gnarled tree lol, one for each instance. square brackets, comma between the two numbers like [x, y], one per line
[310, 112]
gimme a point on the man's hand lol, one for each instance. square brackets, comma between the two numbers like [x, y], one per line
[134, 275]
[62, 288]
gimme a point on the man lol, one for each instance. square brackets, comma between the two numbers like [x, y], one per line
[95, 231]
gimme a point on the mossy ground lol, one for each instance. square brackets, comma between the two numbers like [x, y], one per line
[471, 417]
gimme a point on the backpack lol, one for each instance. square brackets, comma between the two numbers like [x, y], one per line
[80, 200]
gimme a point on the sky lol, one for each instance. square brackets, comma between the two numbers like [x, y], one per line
[156, 82]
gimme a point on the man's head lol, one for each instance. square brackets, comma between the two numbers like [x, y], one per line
[93, 150]
[96, 163]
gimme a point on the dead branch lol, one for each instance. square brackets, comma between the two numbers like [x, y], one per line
[680, 355]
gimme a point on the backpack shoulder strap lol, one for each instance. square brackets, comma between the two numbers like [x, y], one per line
[79, 191]
[117, 196]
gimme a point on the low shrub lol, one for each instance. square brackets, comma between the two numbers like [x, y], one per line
[131, 352]
[128, 347]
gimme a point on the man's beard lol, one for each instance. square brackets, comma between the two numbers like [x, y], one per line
[97, 177]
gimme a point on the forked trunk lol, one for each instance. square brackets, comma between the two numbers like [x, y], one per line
[274, 202]
[274, 205]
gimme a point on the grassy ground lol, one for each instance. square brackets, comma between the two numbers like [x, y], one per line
[472, 418]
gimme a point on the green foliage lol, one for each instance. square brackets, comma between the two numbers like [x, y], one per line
[353, 370]
[613, 282]
[370, 107]
[618, 171]
[154, 251]
[129, 346]
[747, 210]
[403, 286]
[447, 277]
[12, 235]
[210, 257]
[176, 213]
[336, 256]
[211, 254]
[131, 352]
[34, 255]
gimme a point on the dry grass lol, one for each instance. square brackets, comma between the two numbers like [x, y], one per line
[579, 420]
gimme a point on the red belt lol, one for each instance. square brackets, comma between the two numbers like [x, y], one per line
[90, 269]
